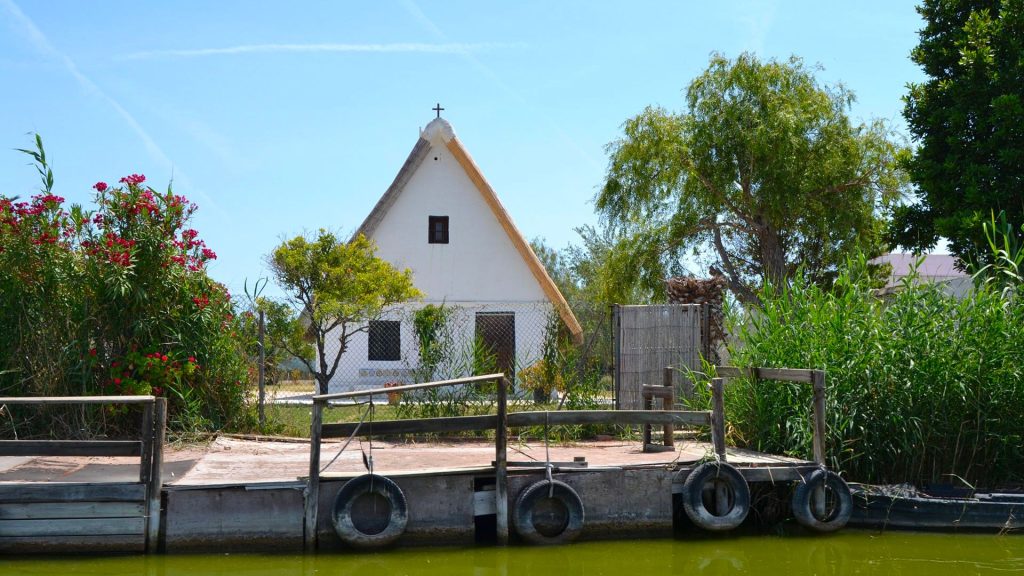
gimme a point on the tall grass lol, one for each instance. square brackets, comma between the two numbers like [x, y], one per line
[922, 386]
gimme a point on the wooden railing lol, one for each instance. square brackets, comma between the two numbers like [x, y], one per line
[88, 511]
[499, 422]
[816, 378]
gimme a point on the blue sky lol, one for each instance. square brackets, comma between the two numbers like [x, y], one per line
[277, 118]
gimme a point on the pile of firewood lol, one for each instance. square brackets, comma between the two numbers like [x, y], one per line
[710, 291]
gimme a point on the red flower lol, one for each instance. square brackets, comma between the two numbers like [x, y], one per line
[117, 381]
[92, 351]
[158, 391]
[164, 357]
[134, 179]
[192, 359]
[100, 186]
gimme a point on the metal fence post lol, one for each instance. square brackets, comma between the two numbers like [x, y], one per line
[262, 374]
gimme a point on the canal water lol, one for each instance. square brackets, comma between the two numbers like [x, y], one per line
[850, 552]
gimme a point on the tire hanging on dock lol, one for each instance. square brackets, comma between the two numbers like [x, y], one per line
[705, 484]
[548, 512]
[370, 511]
[837, 507]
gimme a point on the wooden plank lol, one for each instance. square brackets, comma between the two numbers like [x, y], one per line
[519, 419]
[77, 400]
[784, 374]
[407, 387]
[72, 527]
[73, 544]
[417, 426]
[620, 417]
[501, 464]
[312, 492]
[156, 475]
[650, 391]
[42, 510]
[70, 448]
[72, 492]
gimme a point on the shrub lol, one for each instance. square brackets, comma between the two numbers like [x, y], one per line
[922, 387]
[115, 301]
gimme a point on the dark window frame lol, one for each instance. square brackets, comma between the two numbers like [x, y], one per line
[437, 235]
[384, 341]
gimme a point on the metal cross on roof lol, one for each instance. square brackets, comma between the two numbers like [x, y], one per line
[437, 109]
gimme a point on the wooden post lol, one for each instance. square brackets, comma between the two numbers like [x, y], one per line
[262, 374]
[312, 492]
[501, 463]
[156, 475]
[718, 416]
[818, 382]
[668, 438]
[146, 435]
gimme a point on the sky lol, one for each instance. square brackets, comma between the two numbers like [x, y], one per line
[281, 118]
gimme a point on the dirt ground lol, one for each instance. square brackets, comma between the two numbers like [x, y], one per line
[233, 460]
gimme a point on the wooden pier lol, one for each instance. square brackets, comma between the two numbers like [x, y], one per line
[249, 496]
[94, 516]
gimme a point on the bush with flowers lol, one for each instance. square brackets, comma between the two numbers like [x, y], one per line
[116, 300]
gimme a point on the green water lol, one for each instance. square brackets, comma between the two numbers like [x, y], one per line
[850, 552]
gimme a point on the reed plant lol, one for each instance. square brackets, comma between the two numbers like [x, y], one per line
[923, 386]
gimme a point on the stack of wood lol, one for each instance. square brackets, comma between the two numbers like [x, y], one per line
[710, 291]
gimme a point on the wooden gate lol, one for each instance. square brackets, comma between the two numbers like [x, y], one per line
[647, 339]
[87, 516]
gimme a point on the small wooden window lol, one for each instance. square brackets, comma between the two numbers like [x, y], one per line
[385, 340]
[437, 232]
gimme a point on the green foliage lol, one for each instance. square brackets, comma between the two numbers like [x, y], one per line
[114, 301]
[283, 333]
[1005, 268]
[338, 287]
[764, 168]
[434, 338]
[967, 117]
[922, 387]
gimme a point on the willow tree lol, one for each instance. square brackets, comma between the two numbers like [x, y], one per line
[339, 287]
[764, 173]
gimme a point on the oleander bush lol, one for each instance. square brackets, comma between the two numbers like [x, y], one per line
[113, 300]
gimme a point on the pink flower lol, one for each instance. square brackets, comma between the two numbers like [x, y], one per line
[209, 254]
[100, 186]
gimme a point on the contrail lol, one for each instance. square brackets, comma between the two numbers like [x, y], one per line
[46, 47]
[449, 48]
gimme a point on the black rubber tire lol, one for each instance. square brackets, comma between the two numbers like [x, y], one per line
[840, 513]
[341, 514]
[522, 512]
[693, 496]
